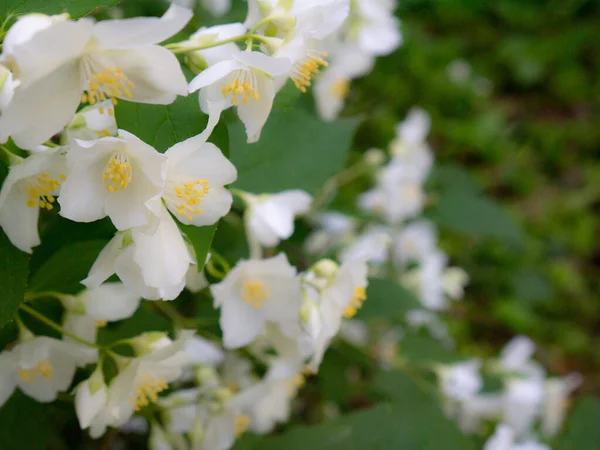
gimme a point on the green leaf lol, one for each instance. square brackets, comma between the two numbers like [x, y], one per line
[201, 238]
[476, 215]
[14, 267]
[65, 269]
[296, 151]
[406, 424]
[145, 319]
[581, 430]
[76, 8]
[25, 423]
[162, 126]
[386, 299]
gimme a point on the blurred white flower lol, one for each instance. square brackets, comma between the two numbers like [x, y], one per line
[91, 123]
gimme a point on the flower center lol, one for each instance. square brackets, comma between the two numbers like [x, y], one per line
[255, 292]
[189, 196]
[41, 369]
[340, 88]
[118, 172]
[241, 86]
[355, 303]
[304, 69]
[147, 390]
[241, 423]
[40, 188]
[111, 83]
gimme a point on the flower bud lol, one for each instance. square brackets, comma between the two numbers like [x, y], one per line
[326, 268]
[150, 341]
[375, 157]
[196, 62]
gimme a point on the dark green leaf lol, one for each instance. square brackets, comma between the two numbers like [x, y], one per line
[386, 299]
[201, 238]
[14, 267]
[145, 319]
[581, 430]
[295, 151]
[24, 424]
[65, 269]
[76, 8]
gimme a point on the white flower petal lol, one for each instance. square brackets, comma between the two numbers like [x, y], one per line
[110, 302]
[272, 66]
[213, 74]
[104, 266]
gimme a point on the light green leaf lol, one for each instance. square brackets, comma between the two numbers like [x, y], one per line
[76, 8]
[162, 126]
[581, 430]
[65, 269]
[296, 151]
[386, 299]
[476, 215]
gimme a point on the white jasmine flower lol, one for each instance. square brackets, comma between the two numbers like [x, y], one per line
[8, 84]
[91, 123]
[196, 175]
[270, 218]
[516, 356]
[89, 62]
[202, 351]
[454, 280]
[151, 261]
[196, 281]
[502, 439]
[372, 246]
[477, 408]
[333, 86]
[254, 292]
[41, 368]
[556, 396]
[112, 177]
[461, 381]
[29, 186]
[430, 287]
[158, 439]
[109, 302]
[414, 242]
[217, 8]
[245, 80]
[91, 397]
[375, 29]
[333, 229]
[413, 132]
[522, 404]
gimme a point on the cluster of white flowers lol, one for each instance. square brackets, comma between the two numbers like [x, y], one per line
[61, 81]
[529, 407]
[397, 243]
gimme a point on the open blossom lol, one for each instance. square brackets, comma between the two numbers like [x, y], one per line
[196, 175]
[270, 218]
[152, 261]
[461, 381]
[253, 293]
[375, 30]
[30, 186]
[91, 123]
[414, 242]
[40, 367]
[89, 62]
[112, 176]
[244, 80]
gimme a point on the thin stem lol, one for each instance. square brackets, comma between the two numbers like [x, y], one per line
[175, 316]
[256, 250]
[12, 158]
[39, 316]
[177, 48]
[30, 296]
[210, 268]
[337, 181]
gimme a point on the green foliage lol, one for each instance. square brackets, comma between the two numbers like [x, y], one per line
[25, 424]
[201, 238]
[76, 8]
[14, 267]
[296, 151]
[582, 431]
[387, 300]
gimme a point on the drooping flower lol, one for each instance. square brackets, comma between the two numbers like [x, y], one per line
[112, 176]
[255, 292]
[152, 261]
[245, 80]
[31, 185]
[89, 62]
[91, 123]
[270, 218]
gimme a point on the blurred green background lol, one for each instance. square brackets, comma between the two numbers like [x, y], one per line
[513, 89]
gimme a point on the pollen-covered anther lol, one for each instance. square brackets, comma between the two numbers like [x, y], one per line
[355, 303]
[147, 390]
[340, 88]
[304, 70]
[111, 83]
[241, 87]
[241, 423]
[40, 188]
[118, 173]
[190, 196]
[42, 369]
[255, 293]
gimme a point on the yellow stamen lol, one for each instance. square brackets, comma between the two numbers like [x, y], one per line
[255, 292]
[101, 323]
[118, 172]
[190, 196]
[42, 369]
[304, 70]
[39, 190]
[355, 303]
[147, 390]
[241, 87]
[241, 424]
[340, 88]
[111, 83]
